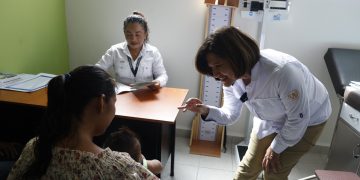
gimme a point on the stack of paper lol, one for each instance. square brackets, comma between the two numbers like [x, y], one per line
[120, 88]
[141, 85]
[7, 79]
[355, 84]
[25, 82]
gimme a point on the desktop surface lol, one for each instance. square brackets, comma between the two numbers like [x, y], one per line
[144, 104]
[149, 105]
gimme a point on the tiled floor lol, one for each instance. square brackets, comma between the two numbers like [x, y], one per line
[196, 167]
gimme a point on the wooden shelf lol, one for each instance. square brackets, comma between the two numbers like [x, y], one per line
[207, 148]
[202, 147]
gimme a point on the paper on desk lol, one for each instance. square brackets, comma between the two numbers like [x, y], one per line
[27, 82]
[11, 80]
[355, 84]
[142, 84]
[4, 76]
[120, 88]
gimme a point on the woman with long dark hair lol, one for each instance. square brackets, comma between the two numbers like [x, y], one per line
[81, 105]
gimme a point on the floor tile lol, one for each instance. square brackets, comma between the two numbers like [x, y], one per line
[187, 159]
[181, 172]
[214, 174]
[197, 167]
[222, 163]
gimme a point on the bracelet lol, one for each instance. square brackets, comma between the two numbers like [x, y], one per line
[144, 163]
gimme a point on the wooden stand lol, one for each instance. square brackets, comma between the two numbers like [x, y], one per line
[207, 148]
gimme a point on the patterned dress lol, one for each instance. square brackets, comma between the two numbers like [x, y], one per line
[75, 164]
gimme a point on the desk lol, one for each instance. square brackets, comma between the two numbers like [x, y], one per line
[152, 114]
[36, 98]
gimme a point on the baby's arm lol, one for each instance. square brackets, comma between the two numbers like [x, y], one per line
[154, 165]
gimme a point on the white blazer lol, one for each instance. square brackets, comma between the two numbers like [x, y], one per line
[283, 95]
[150, 68]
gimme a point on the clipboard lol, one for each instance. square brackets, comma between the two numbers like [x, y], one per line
[142, 85]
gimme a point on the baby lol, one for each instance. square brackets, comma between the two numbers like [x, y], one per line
[125, 140]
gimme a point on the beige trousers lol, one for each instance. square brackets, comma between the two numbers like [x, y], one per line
[250, 166]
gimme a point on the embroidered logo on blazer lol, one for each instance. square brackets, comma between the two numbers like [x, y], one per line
[294, 95]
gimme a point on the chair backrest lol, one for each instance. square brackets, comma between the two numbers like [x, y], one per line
[343, 66]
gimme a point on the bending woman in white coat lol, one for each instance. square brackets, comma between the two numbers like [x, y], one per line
[289, 103]
[135, 60]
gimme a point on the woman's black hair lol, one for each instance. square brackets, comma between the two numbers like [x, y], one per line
[137, 17]
[232, 45]
[68, 95]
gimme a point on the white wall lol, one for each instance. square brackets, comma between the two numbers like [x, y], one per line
[177, 29]
[313, 27]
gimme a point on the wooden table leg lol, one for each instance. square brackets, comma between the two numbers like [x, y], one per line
[172, 148]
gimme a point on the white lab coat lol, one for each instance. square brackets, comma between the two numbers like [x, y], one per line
[283, 95]
[151, 66]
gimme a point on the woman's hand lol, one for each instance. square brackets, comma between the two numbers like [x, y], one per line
[195, 105]
[155, 86]
[271, 161]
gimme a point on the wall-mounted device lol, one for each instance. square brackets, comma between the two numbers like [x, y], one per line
[261, 11]
[276, 9]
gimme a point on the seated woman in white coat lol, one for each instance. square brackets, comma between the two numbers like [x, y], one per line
[134, 60]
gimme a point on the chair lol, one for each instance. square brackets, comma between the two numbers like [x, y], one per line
[335, 175]
[343, 66]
